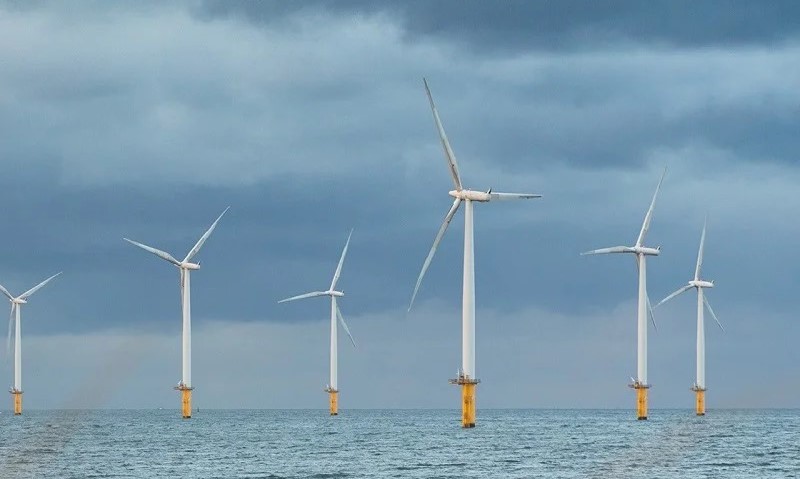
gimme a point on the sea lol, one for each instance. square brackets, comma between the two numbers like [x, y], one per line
[400, 444]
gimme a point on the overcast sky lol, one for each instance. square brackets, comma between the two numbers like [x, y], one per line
[146, 120]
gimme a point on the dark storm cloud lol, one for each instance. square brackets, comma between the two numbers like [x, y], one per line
[278, 253]
[581, 115]
[520, 25]
[154, 145]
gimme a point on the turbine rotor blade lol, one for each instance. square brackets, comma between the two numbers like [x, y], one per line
[5, 291]
[39, 286]
[344, 325]
[341, 262]
[183, 284]
[676, 293]
[700, 252]
[161, 254]
[448, 152]
[313, 294]
[649, 216]
[647, 298]
[613, 249]
[202, 240]
[10, 325]
[513, 196]
[447, 219]
[708, 305]
[650, 311]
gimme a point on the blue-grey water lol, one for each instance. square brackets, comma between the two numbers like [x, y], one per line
[397, 443]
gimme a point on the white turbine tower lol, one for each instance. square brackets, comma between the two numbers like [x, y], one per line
[640, 384]
[185, 266]
[14, 320]
[700, 384]
[333, 386]
[466, 376]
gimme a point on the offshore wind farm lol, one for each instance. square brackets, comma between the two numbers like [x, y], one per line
[127, 126]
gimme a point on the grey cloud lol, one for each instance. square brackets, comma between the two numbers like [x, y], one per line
[513, 26]
[185, 112]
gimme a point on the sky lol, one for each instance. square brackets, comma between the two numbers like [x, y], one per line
[145, 120]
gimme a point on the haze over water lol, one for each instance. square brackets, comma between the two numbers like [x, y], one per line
[400, 443]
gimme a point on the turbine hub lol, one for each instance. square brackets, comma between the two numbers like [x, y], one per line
[471, 195]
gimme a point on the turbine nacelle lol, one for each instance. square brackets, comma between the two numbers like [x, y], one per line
[18, 301]
[481, 196]
[699, 283]
[189, 266]
[646, 251]
[338, 294]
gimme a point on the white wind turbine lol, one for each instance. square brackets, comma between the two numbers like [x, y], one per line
[185, 266]
[466, 376]
[700, 384]
[333, 386]
[642, 252]
[14, 321]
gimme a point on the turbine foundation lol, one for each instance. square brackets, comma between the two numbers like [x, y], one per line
[186, 401]
[700, 400]
[17, 401]
[333, 396]
[468, 405]
[641, 399]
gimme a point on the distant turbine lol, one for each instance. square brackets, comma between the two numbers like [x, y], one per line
[700, 384]
[14, 320]
[466, 376]
[185, 266]
[333, 386]
[640, 384]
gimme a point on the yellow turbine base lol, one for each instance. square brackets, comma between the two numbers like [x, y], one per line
[334, 399]
[186, 403]
[468, 405]
[17, 403]
[700, 402]
[641, 403]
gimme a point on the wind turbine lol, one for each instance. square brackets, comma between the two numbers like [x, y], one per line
[185, 266]
[333, 386]
[699, 387]
[641, 251]
[466, 376]
[14, 320]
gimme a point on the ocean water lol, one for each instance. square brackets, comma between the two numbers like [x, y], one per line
[400, 443]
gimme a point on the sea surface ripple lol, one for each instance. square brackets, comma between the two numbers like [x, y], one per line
[400, 443]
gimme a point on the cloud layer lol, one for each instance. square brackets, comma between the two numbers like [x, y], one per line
[308, 119]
